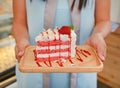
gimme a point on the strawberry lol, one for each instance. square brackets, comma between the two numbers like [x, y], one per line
[65, 30]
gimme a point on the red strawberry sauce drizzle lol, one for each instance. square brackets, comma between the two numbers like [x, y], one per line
[70, 51]
[59, 51]
[50, 65]
[38, 64]
[83, 52]
[36, 58]
[87, 52]
[80, 59]
[59, 61]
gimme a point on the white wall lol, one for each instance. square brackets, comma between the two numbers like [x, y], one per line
[115, 11]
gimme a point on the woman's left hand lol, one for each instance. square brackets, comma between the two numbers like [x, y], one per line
[97, 41]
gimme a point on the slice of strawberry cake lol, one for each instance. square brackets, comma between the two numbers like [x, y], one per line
[55, 45]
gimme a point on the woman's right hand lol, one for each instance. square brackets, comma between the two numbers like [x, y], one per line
[20, 49]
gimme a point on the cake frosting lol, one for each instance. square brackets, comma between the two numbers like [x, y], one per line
[55, 44]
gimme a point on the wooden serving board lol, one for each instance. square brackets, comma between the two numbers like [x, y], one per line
[91, 63]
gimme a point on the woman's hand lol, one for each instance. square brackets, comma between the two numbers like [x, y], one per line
[20, 49]
[102, 27]
[97, 41]
[20, 27]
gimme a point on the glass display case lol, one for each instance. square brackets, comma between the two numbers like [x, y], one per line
[7, 59]
[7, 44]
[7, 54]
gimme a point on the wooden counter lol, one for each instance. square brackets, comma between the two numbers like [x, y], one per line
[111, 72]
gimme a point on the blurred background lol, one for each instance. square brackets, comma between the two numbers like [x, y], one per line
[7, 55]
[108, 78]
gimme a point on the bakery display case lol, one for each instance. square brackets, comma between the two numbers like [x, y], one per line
[7, 54]
[7, 58]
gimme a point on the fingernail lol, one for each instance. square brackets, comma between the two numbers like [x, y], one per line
[102, 58]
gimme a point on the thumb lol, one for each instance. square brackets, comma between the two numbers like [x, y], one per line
[101, 53]
[20, 54]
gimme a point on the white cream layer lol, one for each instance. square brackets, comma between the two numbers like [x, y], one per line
[52, 55]
[52, 47]
[51, 35]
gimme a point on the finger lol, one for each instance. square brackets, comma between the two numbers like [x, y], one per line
[101, 50]
[20, 54]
